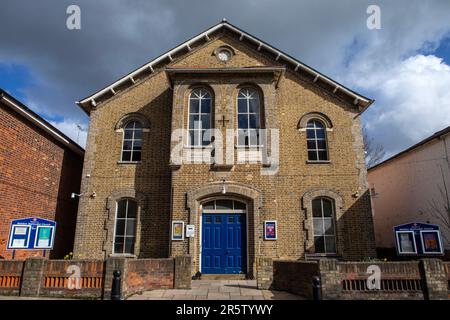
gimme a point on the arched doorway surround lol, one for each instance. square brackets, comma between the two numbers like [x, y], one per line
[251, 196]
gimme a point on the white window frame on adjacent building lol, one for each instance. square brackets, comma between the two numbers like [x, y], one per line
[125, 234]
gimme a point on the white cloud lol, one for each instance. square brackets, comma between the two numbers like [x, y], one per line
[70, 128]
[413, 101]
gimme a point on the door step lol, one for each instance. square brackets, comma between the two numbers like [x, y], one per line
[224, 276]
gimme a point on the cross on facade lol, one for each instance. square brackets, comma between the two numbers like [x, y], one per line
[223, 120]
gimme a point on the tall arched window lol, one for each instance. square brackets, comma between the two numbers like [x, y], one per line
[324, 226]
[125, 227]
[199, 117]
[249, 122]
[316, 140]
[132, 142]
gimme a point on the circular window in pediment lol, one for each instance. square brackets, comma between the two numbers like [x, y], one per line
[224, 53]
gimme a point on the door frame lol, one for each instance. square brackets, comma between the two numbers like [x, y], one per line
[244, 212]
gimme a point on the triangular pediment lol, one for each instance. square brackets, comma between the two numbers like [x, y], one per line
[253, 51]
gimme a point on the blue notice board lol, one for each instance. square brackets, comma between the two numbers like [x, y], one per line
[418, 239]
[31, 234]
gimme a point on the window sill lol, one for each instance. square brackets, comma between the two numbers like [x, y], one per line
[221, 167]
[129, 162]
[316, 256]
[255, 147]
[318, 161]
[199, 147]
[124, 255]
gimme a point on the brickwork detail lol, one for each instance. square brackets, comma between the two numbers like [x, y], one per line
[435, 279]
[264, 271]
[182, 279]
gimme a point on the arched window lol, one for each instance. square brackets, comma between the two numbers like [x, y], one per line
[132, 142]
[125, 227]
[316, 140]
[324, 226]
[200, 102]
[248, 113]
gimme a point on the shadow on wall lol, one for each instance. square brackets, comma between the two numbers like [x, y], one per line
[153, 178]
[66, 207]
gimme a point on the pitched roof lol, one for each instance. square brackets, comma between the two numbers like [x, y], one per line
[38, 121]
[436, 135]
[295, 65]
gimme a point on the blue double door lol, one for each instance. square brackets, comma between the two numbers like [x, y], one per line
[224, 243]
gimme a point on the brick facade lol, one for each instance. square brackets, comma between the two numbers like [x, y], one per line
[37, 176]
[176, 192]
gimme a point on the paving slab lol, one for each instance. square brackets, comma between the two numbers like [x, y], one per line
[216, 290]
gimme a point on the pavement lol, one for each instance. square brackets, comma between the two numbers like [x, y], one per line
[30, 298]
[217, 290]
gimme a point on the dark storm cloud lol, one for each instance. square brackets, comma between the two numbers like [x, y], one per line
[119, 36]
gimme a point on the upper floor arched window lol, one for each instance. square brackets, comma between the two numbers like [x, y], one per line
[316, 139]
[132, 142]
[248, 116]
[200, 105]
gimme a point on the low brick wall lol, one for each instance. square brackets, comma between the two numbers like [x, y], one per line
[424, 279]
[399, 280]
[294, 276]
[147, 274]
[91, 278]
[58, 274]
[10, 277]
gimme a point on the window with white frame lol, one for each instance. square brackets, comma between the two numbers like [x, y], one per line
[324, 225]
[316, 140]
[132, 142]
[200, 103]
[248, 114]
[125, 228]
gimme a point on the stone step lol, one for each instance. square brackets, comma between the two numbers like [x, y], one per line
[223, 276]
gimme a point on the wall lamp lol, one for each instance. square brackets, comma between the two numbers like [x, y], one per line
[73, 195]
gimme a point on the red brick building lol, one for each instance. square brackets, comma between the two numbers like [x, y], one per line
[39, 169]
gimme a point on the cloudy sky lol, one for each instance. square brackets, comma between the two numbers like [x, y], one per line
[405, 65]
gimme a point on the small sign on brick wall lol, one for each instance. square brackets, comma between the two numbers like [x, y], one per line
[270, 230]
[177, 230]
[190, 231]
